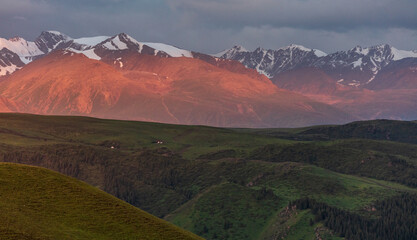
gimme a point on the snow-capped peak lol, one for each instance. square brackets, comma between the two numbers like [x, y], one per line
[293, 47]
[56, 35]
[319, 53]
[115, 44]
[401, 54]
[359, 50]
[170, 50]
[239, 48]
[90, 41]
[54, 32]
[229, 53]
[384, 52]
[49, 40]
[20, 46]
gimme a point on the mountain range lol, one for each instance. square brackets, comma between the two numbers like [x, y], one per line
[121, 78]
[356, 67]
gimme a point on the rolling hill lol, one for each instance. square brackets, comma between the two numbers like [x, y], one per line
[228, 183]
[37, 203]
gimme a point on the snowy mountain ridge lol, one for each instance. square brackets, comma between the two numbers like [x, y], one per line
[271, 62]
[49, 41]
[354, 67]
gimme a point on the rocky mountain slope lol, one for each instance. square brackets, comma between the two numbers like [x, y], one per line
[153, 88]
[356, 67]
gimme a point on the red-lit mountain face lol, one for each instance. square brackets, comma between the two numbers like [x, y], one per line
[153, 88]
[123, 78]
[392, 94]
[374, 82]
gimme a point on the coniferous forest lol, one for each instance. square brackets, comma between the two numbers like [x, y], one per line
[393, 218]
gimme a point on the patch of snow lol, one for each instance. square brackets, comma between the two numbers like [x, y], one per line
[401, 54]
[355, 84]
[371, 79]
[21, 47]
[133, 40]
[25, 60]
[8, 70]
[90, 41]
[319, 53]
[341, 80]
[228, 53]
[55, 32]
[65, 37]
[170, 50]
[88, 53]
[360, 50]
[357, 63]
[239, 49]
[295, 46]
[375, 68]
[262, 72]
[115, 44]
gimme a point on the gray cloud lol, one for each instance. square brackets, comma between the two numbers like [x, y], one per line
[316, 14]
[212, 25]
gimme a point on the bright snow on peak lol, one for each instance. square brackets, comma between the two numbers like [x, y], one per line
[20, 46]
[240, 48]
[396, 54]
[317, 52]
[230, 52]
[91, 41]
[59, 34]
[292, 46]
[54, 32]
[170, 50]
[115, 43]
[400, 54]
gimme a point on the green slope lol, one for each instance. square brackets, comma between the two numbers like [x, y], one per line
[222, 183]
[36, 203]
[389, 130]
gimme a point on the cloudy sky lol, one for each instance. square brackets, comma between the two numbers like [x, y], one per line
[212, 25]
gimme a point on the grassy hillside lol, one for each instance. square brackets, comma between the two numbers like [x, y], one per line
[37, 203]
[221, 183]
[389, 130]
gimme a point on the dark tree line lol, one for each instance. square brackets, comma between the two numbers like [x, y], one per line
[395, 218]
[345, 158]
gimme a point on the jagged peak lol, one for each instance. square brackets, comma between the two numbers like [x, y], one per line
[121, 41]
[55, 33]
[292, 47]
[235, 49]
[239, 48]
[365, 50]
[123, 37]
[295, 46]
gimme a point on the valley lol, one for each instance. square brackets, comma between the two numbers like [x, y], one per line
[224, 183]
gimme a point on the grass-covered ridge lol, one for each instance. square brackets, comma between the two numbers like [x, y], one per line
[223, 183]
[37, 203]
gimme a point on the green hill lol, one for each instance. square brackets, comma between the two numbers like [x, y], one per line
[389, 130]
[36, 203]
[225, 183]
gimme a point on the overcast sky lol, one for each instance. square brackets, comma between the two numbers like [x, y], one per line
[212, 25]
